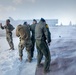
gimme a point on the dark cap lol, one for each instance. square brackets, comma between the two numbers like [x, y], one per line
[42, 19]
[24, 23]
[8, 20]
[34, 20]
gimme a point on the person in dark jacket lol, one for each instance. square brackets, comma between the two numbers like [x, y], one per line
[32, 28]
[42, 46]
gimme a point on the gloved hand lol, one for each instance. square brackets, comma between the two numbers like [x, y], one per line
[48, 44]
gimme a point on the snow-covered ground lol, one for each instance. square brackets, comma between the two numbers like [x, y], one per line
[9, 62]
[62, 49]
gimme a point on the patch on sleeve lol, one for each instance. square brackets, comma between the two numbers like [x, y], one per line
[47, 26]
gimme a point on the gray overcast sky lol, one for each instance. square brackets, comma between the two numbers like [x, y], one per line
[64, 10]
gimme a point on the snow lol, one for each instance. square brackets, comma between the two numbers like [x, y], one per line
[62, 49]
[9, 62]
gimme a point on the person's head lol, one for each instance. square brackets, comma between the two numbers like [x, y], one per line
[7, 21]
[25, 23]
[34, 21]
[42, 19]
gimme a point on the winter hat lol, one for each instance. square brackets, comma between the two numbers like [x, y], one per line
[42, 19]
[24, 23]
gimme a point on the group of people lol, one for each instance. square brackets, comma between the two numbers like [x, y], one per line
[28, 35]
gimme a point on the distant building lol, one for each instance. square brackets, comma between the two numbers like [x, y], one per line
[52, 22]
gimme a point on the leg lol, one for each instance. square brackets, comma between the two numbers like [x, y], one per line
[10, 41]
[46, 53]
[20, 47]
[39, 53]
[28, 48]
[32, 49]
[29, 55]
[39, 57]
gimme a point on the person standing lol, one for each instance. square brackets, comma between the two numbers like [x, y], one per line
[26, 24]
[23, 32]
[9, 28]
[32, 28]
[42, 46]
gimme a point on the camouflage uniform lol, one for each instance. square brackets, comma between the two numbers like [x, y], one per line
[9, 28]
[42, 48]
[23, 32]
[32, 28]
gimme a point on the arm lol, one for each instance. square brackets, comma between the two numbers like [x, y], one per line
[12, 28]
[17, 33]
[47, 34]
[30, 27]
[2, 27]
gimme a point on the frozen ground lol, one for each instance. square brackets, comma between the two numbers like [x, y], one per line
[9, 63]
[63, 51]
[62, 48]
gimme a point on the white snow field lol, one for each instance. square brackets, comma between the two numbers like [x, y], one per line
[62, 49]
[9, 62]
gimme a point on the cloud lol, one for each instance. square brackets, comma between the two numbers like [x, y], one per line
[17, 2]
[22, 1]
[7, 8]
[6, 11]
[10, 8]
[31, 1]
